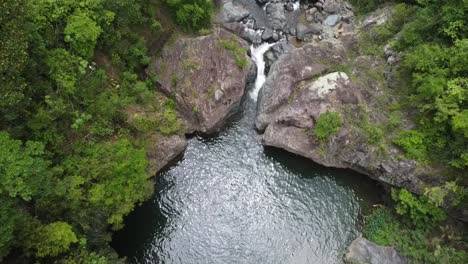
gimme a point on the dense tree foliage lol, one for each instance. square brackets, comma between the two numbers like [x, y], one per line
[69, 167]
[432, 38]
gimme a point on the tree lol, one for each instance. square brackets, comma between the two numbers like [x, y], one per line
[82, 33]
[23, 170]
[107, 177]
[13, 57]
[52, 239]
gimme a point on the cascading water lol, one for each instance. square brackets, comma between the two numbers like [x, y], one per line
[297, 5]
[257, 56]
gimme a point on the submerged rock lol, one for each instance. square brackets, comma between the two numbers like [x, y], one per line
[363, 251]
[206, 76]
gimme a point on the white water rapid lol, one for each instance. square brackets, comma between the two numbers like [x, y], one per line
[257, 56]
[297, 5]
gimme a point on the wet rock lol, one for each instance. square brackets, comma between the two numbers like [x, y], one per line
[363, 251]
[267, 34]
[275, 52]
[289, 6]
[193, 69]
[242, 30]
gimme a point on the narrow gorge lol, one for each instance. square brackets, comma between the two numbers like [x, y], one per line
[230, 197]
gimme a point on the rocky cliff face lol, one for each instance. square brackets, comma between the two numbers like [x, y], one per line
[306, 83]
[205, 76]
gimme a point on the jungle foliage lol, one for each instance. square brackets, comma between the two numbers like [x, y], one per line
[69, 167]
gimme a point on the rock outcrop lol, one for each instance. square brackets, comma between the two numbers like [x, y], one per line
[163, 149]
[206, 76]
[362, 251]
[302, 85]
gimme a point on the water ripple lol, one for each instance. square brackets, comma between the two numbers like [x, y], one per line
[229, 201]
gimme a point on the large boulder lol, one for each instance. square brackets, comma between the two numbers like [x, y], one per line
[300, 87]
[362, 251]
[163, 149]
[206, 76]
[276, 15]
[231, 12]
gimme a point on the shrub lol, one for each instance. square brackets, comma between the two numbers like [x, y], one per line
[420, 210]
[328, 124]
[381, 227]
[232, 45]
[192, 14]
[414, 144]
[417, 244]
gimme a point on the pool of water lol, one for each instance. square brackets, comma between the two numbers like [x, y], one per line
[230, 200]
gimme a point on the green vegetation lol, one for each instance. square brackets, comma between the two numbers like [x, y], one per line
[419, 239]
[374, 39]
[192, 14]
[431, 37]
[72, 163]
[328, 124]
[232, 45]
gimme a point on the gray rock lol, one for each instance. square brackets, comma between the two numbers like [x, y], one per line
[267, 34]
[289, 6]
[163, 149]
[363, 251]
[276, 16]
[332, 6]
[295, 95]
[275, 36]
[319, 17]
[310, 18]
[332, 20]
[275, 52]
[313, 10]
[231, 12]
[193, 69]
[303, 29]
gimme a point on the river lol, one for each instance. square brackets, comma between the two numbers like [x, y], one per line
[230, 200]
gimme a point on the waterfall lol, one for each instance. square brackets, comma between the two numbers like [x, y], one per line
[297, 5]
[257, 56]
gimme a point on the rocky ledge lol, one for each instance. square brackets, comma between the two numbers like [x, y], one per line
[305, 83]
[362, 251]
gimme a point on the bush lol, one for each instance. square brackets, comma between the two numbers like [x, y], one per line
[192, 14]
[414, 144]
[232, 45]
[328, 124]
[419, 245]
[421, 211]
